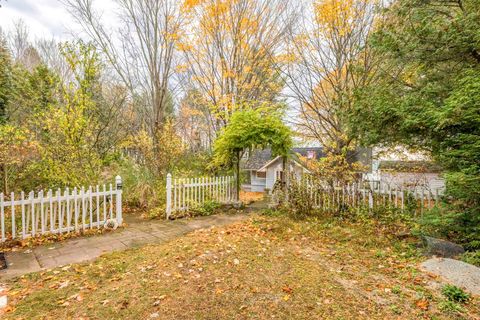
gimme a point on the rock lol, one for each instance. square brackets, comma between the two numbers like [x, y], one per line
[456, 272]
[442, 248]
[3, 302]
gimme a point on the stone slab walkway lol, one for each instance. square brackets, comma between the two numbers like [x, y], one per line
[137, 232]
[456, 272]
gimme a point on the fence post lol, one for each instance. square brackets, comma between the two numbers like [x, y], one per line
[169, 196]
[2, 212]
[118, 187]
[370, 199]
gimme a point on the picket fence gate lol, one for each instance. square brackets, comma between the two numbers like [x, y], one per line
[186, 193]
[71, 211]
[366, 194]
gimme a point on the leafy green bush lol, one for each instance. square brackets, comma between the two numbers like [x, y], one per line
[455, 294]
[472, 257]
[206, 209]
[444, 222]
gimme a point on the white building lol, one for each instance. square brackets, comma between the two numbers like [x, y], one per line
[264, 169]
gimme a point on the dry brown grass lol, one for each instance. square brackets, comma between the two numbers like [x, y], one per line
[248, 197]
[263, 268]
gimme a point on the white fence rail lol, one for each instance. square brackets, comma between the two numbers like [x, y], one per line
[184, 194]
[366, 194]
[59, 212]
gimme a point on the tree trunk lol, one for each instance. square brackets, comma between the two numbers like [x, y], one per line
[3, 169]
[285, 177]
[238, 177]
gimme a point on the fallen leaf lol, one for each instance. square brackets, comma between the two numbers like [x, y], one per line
[287, 289]
[423, 304]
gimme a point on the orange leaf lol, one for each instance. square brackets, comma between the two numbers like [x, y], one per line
[287, 289]
[423, 304]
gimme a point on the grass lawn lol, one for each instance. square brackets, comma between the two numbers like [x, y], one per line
[262, 268]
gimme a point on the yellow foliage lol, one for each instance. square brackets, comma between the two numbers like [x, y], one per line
[335, 15]
[341, 16]
[181, 68]
[189, 4]
[162, 152]
[232, 59]
[16, 144]
[335, 168]
[182, 46]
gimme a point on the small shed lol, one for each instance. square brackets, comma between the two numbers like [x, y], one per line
[264, 169]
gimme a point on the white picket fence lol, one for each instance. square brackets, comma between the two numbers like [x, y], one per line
[186, 193]
[366, 194]
[59, 212]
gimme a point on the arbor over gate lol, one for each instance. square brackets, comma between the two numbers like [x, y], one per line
[250, 129]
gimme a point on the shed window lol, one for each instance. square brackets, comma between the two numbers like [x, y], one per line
[261, 174]
[279, 175]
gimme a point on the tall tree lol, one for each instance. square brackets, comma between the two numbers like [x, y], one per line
[142, 51]
[193, 122]
[5, 95]
[5, 78]
[429, 95]
[323, 57]
[231, 54]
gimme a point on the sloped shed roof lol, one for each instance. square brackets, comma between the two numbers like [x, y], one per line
[259, 158]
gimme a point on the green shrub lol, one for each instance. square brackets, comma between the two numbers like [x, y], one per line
[450, 306]
[472, 257]
[444, 222]
[455, 294]
[206, 209]
[156, 212]
[273, 212]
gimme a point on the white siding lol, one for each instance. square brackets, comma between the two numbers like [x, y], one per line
[278, 166]
[256, 184]
[430, 181]
[271, 169]
[260, 184]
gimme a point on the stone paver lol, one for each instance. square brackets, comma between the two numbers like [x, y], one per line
[136, 233]
[459, 273]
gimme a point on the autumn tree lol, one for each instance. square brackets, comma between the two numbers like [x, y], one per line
[17, 146]
[327, 61]
[5, 78]
[141, 51]
[193, 121]
[52, 57]
[231, 52]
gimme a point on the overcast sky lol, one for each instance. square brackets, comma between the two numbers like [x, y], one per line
[45, 18]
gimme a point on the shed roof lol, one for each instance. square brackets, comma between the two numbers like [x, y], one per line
[259, 158]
